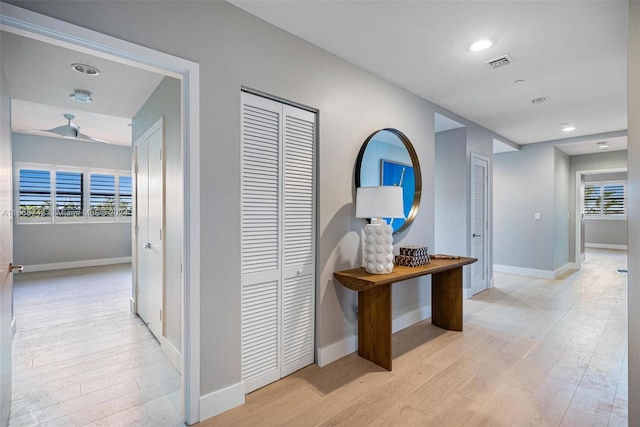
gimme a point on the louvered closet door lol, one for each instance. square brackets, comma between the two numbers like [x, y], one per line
[298, 236]
[261, 244]
[278, 226]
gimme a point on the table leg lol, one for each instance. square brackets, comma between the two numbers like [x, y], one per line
[446, 299]
[374, 325]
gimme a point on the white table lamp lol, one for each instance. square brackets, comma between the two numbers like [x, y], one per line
[377, 238]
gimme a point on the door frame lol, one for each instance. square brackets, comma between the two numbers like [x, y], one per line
[578, 208]
[487, 228]
[16, 20]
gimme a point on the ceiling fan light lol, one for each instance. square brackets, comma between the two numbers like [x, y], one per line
[81, 95]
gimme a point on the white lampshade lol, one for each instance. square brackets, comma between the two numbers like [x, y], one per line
[379, 202]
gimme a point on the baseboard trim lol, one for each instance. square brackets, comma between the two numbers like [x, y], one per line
[465, 293]
[335, 351]
[220, 401]
[531, 272]
[410, 318]
[560, 271]
[172, 353]
[13, 327]
[543, 274]
[492, 283]
[76, 264]
[605, 246]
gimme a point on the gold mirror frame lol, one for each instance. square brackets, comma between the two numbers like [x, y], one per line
[416, 171]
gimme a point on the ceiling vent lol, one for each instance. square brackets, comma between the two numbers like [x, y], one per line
[498, 62]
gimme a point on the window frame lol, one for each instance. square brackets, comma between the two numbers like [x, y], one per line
[602, 215]
[86, 172]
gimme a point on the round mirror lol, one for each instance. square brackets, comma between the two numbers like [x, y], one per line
[388, 158]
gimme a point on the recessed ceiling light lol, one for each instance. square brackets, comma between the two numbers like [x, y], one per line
[89, 70]
[603, 145]
[566, 127]
[480, 45]
[81, 95]
[540, 100]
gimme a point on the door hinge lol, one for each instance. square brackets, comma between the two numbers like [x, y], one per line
[160, 154]
[161, 234]
[160, 314]
[136, 168]
[136, 229]
[180, 268]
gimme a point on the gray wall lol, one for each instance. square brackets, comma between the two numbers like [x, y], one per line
[561, 209]
[451, 200]
[55, 243]
[165, 102]
[235, 49]
[589, 162]
[523, 184]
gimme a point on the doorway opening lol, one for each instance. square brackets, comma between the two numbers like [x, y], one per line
[49, 30]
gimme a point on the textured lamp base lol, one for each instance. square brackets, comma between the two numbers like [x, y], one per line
[377, 244]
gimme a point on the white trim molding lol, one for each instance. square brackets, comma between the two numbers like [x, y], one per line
[404, 321]
[76, 264]
[605, 246]
[13, 327]
[220, 401]
[335, 351]
[172, 353]
[531, 272]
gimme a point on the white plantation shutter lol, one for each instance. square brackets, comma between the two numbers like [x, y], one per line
[278, 246]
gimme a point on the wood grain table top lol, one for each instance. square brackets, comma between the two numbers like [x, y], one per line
[358, 279]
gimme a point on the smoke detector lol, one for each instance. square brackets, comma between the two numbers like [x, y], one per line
[499, 62]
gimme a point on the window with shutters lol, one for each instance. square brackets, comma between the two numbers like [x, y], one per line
[605, 200]
[64, 194]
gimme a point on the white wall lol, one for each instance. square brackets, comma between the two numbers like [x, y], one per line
[165, 102]
[36, 244]
[589, 162]
[235, 49]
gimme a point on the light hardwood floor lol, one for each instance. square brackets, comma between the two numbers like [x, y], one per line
[533, 352]
[81, 358]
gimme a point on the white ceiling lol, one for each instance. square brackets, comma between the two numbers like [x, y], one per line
[40, 79]
[573, 52]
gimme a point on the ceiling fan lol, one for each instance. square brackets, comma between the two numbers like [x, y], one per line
[70, 130]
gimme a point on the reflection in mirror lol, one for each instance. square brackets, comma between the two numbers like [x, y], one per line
[388, 158]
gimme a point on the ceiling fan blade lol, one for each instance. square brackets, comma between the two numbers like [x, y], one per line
[90, 138]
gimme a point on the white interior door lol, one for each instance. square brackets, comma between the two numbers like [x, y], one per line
[479, 223]
[149, 250]
[278, 240]
[6, 255]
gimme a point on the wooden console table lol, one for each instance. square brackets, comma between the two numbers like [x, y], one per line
[374, 302]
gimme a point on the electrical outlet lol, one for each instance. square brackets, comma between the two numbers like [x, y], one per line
[536, 216]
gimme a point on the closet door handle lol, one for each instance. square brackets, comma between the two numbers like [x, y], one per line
[147, 246]
[477, 235]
